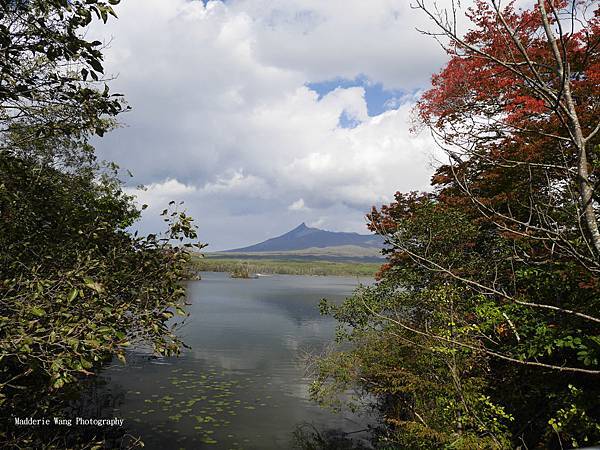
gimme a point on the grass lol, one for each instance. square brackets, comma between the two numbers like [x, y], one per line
[286, 267]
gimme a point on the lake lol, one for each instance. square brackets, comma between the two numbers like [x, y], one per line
[242, 383]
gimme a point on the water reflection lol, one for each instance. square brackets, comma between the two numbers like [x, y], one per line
[241, 383]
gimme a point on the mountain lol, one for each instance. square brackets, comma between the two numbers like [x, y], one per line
[303, 237]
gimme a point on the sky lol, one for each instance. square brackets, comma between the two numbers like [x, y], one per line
[263, 114]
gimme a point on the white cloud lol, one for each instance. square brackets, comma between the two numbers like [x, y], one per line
[298, 205]
[324, 39]
[236, 183]
[222, 117]
[155, 193]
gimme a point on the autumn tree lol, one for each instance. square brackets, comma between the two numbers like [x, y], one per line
[519, 98]
[485, 323]
[517, 110]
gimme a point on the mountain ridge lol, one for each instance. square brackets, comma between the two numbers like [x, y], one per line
[303, 237]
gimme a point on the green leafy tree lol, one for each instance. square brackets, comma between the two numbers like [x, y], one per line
[50, 75]
[77, 288]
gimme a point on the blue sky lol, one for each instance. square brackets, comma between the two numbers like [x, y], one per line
[378, 98]
[262, 114]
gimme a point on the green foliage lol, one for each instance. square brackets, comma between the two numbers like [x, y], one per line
[424, 342]
[427, 391]
[51, 83]
[575, 417]
[76, 287]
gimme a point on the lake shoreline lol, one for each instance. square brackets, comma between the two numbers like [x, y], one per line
[286, 267]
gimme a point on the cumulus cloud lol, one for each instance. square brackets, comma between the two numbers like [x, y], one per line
[324, 39]
[298, 205]
[223, 116]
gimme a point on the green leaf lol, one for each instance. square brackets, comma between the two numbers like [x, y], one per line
[93, 285]
[72, 295]
[39, 312]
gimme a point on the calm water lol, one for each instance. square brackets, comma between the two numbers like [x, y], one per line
[242, 383]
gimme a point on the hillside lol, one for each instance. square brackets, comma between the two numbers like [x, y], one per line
[315, 241]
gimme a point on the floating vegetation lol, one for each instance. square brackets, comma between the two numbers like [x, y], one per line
[195, 406]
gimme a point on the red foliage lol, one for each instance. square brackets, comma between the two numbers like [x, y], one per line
[486, 104]
[477, 86]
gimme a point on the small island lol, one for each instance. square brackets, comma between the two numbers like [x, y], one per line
[243, 271]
